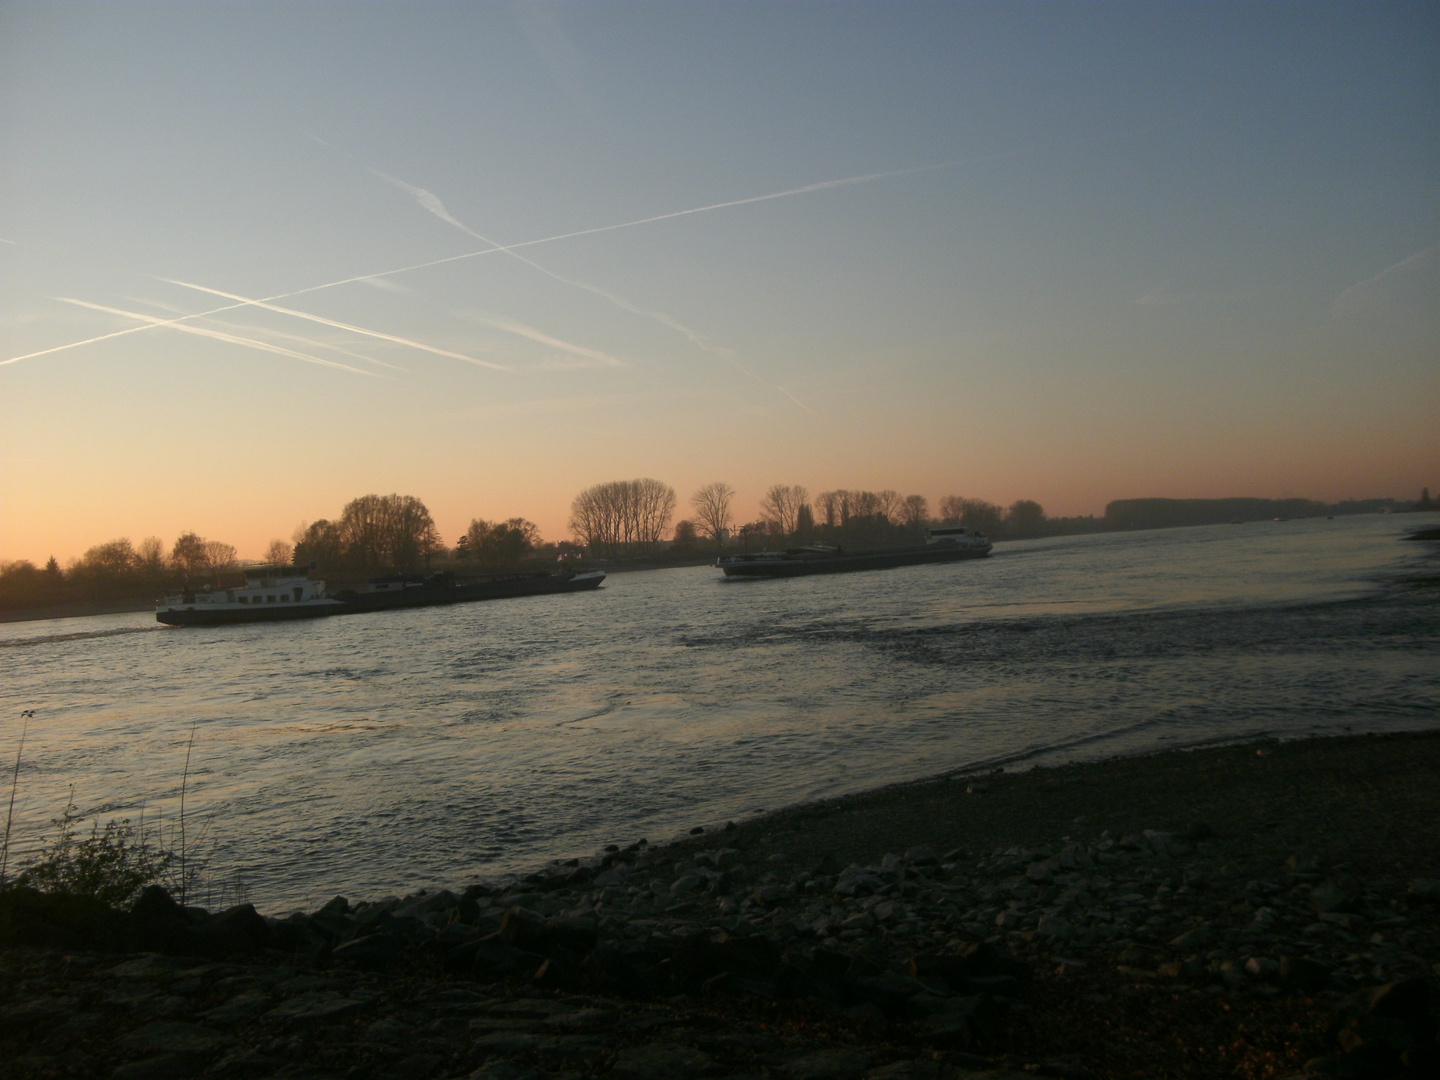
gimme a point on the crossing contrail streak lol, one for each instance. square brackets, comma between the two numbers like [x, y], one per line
[307, 341]
[336, 324]
[431, 202]
[283, 336]
[823, 185]
[219, 335]
[521, 330]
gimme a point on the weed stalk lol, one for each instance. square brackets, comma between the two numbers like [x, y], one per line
[14, 786]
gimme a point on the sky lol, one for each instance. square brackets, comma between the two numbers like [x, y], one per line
[1065, 252]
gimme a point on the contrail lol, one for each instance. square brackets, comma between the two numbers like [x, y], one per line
[822, 186]
[245, 301]
[792, 397]
[521, 330]
[308, 341]
[263, 346]
[281, 334]
[431, 202]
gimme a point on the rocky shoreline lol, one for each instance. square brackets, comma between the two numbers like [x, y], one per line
[1204, 939]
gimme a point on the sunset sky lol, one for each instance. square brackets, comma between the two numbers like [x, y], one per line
[1067, 252]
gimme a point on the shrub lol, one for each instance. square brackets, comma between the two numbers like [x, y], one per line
[110, 865]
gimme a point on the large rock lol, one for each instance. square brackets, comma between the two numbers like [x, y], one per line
[28, 917]
[663, 1061]
[827, 1065]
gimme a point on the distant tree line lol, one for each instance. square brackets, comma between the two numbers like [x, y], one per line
[374, 534]
[623, 516]
[382, 533]
[632, 518]
[117, 570]
[1124, 514]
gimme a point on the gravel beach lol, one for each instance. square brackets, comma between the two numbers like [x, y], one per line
[1261, 910]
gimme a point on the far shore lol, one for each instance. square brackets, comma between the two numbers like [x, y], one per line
[76, 610]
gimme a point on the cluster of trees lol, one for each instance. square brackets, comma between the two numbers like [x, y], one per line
[498, 544]
[843, 516]
[116, 570]
[623, 516]
[373, 533]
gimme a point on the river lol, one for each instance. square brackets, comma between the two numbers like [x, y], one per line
[377, 754]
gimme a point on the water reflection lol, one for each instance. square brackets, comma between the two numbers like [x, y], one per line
[371, 754]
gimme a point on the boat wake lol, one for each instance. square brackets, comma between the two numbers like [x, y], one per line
[52, 639]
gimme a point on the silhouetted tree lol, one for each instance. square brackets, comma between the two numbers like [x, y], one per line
[686, 534]
[279, 553]
[498, 544]
[220, 559]
[804, 522]
[974, 514]
[781, 506]
[622, 515]
[890, 505]
[1025, 517]
[388, 532]
[188, 555]
[712, 508]
[915, 513]
[150, 556]
[833, 507]
[322, 543]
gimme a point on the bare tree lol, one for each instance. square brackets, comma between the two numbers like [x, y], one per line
[107, 564]
[863, 504]
[830, 504]
[915, 512]
[781, 506]
[393, 531]
[622, 515]
[220, 558]
[712, 508]
[150, 556]
[891, 505]
[974, 514]
[279, 553]
[188, 554]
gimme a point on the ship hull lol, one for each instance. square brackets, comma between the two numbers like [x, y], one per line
[497, 588]
[228, 616]
[785, 565]
[353, 603]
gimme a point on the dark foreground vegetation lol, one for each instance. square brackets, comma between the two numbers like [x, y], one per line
[1258, 911]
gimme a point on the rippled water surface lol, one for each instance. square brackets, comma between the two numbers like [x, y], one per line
[377, 753]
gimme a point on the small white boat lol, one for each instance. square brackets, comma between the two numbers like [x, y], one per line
[270, 594]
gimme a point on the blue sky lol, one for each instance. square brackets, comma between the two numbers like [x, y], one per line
[1085, 251]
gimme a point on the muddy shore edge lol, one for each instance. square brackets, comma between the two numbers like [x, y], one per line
[1228, 911]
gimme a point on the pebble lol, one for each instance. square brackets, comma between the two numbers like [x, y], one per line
[574, 961]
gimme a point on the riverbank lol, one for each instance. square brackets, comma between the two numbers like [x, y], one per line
[1189, 914]
[76, 609]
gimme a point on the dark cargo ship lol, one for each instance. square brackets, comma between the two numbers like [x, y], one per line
[400, 591]
[943, 544]
[283, 593]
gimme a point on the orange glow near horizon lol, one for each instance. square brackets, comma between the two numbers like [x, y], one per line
[1020, 251]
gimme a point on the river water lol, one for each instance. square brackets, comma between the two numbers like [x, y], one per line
[377, 754]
